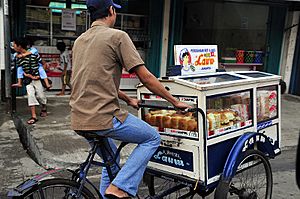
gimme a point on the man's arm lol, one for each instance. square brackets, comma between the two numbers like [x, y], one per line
[20, 55]
[152, 83]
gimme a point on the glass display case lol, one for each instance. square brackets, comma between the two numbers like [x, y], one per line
[266, 97]
[267, 103]
[228, 112]
[43, 25]
[38, 24]
[171, 122]
[255, 74]
[212, 79]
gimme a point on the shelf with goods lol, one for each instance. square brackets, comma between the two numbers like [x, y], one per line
[243, 60]
[44, 26]
[137, 28]
[241, 66]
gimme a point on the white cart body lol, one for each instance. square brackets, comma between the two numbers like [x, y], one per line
[201, 156]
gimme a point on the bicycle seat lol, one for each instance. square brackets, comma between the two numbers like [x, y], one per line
[89, 135]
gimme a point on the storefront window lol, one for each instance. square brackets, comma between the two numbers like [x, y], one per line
[232, 26]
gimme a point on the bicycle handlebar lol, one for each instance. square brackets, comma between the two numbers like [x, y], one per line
[169, 108]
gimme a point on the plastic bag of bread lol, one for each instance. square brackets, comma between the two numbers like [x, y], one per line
[242, 111]
[263, 105]
[211, 121]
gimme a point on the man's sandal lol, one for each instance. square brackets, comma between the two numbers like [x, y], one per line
[48, 88]
[32, 120]
[43, 113]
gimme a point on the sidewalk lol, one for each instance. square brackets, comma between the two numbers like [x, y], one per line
[50, 141]
[15, 164]
[53, 144]
[290, 120]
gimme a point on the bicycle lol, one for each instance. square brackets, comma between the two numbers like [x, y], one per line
[69, 188]
[171, 185]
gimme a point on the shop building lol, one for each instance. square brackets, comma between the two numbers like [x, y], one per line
[268, 28]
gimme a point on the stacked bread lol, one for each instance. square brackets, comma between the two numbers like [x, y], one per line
[172, 119]
[221, 118]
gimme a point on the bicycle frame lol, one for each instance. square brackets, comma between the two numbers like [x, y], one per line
[28, 184]
[79, 175]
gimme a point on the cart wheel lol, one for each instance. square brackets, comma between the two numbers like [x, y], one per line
[252, 180]
[167, 188]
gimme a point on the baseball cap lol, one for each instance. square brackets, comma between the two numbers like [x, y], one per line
[101, 4]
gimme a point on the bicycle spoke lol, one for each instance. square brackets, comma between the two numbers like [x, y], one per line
[58, 189]
[252, 180]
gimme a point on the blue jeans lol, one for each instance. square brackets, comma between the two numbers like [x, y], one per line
[42, 72]
[133, 130]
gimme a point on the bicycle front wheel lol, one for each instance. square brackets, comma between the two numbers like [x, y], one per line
[252, 180]
[57, 188]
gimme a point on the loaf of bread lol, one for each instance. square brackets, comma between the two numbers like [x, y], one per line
[166, 121]
[183, 123]
[175, 122]
[152, 120]
[159, 120]
[172, 119]
[148, 118]
[192, 125]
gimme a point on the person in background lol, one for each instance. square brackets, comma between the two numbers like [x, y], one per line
[20, 72]
[99, 55]
[34, 88]
[65, 64]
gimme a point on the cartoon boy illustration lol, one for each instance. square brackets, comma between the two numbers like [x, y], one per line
[185, 59]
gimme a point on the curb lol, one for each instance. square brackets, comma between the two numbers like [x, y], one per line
[32, 147]
[27, 140]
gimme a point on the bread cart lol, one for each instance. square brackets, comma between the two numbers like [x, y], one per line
[235, 131]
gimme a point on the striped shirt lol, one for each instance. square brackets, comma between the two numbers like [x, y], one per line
[30, 64]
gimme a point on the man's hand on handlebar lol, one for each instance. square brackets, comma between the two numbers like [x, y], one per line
[181, 105]
[134, 103]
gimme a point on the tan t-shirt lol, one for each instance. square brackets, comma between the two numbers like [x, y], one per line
[98, 57]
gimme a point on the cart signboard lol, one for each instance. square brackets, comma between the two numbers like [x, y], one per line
[196, 59]
[174, 158]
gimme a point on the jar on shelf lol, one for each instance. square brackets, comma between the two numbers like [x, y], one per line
[258, 58]
[239, 54]
[249, 56]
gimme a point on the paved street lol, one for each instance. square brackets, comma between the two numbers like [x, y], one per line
[284, 186]
[50, 133]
